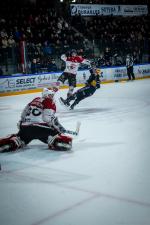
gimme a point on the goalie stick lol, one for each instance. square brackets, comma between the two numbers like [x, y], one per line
[76, 132]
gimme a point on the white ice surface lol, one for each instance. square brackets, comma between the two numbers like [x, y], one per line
[104, 180]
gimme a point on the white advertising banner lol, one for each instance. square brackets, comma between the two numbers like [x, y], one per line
[82, 76]
[142, 70]
[116, 10]
[134, 10]
[115, 73]
[27, 82]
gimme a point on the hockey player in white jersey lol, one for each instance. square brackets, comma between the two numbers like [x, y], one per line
[73, 62]
[38, 121]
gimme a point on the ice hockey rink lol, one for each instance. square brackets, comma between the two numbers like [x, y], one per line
[103, 180]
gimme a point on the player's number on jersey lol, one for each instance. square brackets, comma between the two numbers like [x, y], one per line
[33, 111]
[71, 67]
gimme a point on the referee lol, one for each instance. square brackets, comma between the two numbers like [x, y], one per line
[129, 66]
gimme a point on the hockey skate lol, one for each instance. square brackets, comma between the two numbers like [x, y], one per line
[64, 102]
[71, 107]
[74, 104]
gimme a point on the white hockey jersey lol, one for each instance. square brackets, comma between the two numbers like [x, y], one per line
[73, 63]
[39, 111]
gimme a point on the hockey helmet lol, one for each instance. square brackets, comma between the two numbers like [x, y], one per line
[93, 64]
[73, 52]
[46, 93]
[98, 71]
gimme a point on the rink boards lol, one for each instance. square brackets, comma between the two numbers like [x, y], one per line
[30, 83]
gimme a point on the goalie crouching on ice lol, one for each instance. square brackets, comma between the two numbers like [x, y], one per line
[91, 85]
[38, 121]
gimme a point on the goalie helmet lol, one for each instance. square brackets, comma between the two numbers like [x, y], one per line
[47, 93]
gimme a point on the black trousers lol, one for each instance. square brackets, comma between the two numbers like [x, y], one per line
[85, 92]
[82, 94]
[68, 76]
[130, 73]
[32, 132]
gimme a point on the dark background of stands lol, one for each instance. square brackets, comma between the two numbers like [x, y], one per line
[49, 30]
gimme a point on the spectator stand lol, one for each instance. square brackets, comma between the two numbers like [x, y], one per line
[49, 31]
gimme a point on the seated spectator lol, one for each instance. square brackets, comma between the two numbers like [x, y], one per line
[108, 57]
[136, 57]
[47, 49]
[39, 66]
[51, 67]
[34, 67]
[117, 59]
[11, 46]
[101, 60]
[1, 71]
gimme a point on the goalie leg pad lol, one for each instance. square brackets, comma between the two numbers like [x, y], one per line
[51, 140]
[60, 142]
[14, 142]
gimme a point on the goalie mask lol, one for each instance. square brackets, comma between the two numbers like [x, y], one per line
[48, 93]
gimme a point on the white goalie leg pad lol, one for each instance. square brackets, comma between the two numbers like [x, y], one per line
[51, 140]
[60, 142]
[11, 142]
[63, 142]
[18, 143]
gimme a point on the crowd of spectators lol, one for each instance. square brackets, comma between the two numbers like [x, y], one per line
[37, 66]
[45, 32]
[48, 34]
[120, 34]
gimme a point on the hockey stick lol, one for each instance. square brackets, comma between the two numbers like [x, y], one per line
[76, 132]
